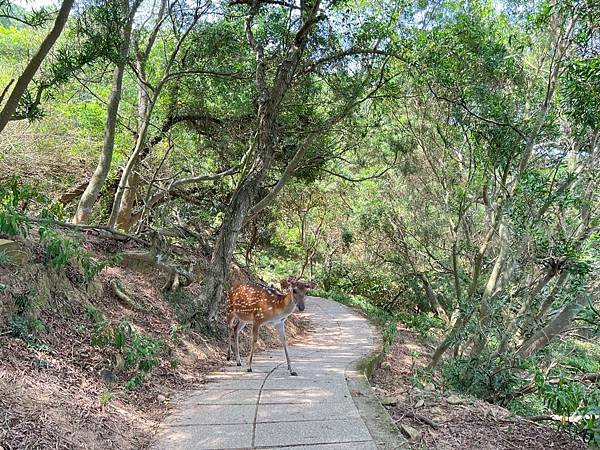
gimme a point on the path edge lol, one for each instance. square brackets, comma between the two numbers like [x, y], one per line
[383, 430]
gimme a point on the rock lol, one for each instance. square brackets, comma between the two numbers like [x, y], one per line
[454, 400]
[107, 375]
[388, 401]
[40, 364]
[420, 403]
[412, 433]
[14, 251]
[429, 387]
[161, 398]
[386, 365]
[119, 362]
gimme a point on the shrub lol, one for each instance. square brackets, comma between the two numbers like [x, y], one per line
[15, 198]
[60, 252]
[140, 352]
[572, 398]
[491, 379]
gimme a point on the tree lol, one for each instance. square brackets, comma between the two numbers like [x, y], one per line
[293, 63]
[90, 195]
[34, 64]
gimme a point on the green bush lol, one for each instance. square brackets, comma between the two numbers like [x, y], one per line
[490, 379]
[14, 200]
[5, 259]
[572, 398]
[60, 252]
[140, 352]
[422, 323]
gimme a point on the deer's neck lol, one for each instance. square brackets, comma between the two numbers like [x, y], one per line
[289, 304]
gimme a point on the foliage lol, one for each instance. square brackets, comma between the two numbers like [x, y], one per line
[450, 178]
[59, 252]
[569, 398]
[15, 199]
[490, 379]
[5, 258]
[140, 352]
[25, 324]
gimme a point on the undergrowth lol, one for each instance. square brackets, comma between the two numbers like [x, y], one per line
[140, 352]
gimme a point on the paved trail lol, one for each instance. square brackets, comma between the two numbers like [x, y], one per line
[270, 409]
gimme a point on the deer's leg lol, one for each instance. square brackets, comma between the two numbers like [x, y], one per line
[255, 328]
[281, 330]
[230, 319]
[238, 329]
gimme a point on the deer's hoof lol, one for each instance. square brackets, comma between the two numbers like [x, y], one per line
[239, 364]
[249, 369]
[294, 374]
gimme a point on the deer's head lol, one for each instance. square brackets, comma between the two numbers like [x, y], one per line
[298, 289]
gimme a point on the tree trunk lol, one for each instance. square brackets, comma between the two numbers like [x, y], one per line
[560, 323]
[235, 215]
[462, 319]
[89, 197]
[125, 217]
[526, 311]
[451, 338]
[145, 109]
[269, 100]
[34, 64]
[434, 303]
[485, 311]
[131, 165]
[531, 324]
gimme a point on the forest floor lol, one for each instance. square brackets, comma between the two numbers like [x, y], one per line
[438, 420]
[60, 390]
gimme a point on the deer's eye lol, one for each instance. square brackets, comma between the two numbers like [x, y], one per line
[295, 290]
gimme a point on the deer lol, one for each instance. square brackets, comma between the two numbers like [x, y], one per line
[257, 305]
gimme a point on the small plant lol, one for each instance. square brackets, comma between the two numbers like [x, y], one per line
[15, 197]
[106, 397]
[58, 251]
[423, 323]
[25, 329]
[19, 327]
[140, 352]
[91, 267]
[490, 379]
[5, 259]
[23, 301]
[569, 398]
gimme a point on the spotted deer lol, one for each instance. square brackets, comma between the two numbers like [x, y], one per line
[250, 303]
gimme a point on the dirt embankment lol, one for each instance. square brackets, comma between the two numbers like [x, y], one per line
[69, 352]
[436, 420]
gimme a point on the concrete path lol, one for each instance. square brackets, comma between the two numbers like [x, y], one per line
[268, 408]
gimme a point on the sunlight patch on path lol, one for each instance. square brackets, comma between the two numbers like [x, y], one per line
[268, 408]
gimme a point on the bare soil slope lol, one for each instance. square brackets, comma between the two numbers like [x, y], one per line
[439, 420]
[59, 389]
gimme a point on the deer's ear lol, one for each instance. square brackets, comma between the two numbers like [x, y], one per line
[312, 285]
[284, 284]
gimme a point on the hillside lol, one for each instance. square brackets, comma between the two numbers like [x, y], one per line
[88, 365]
